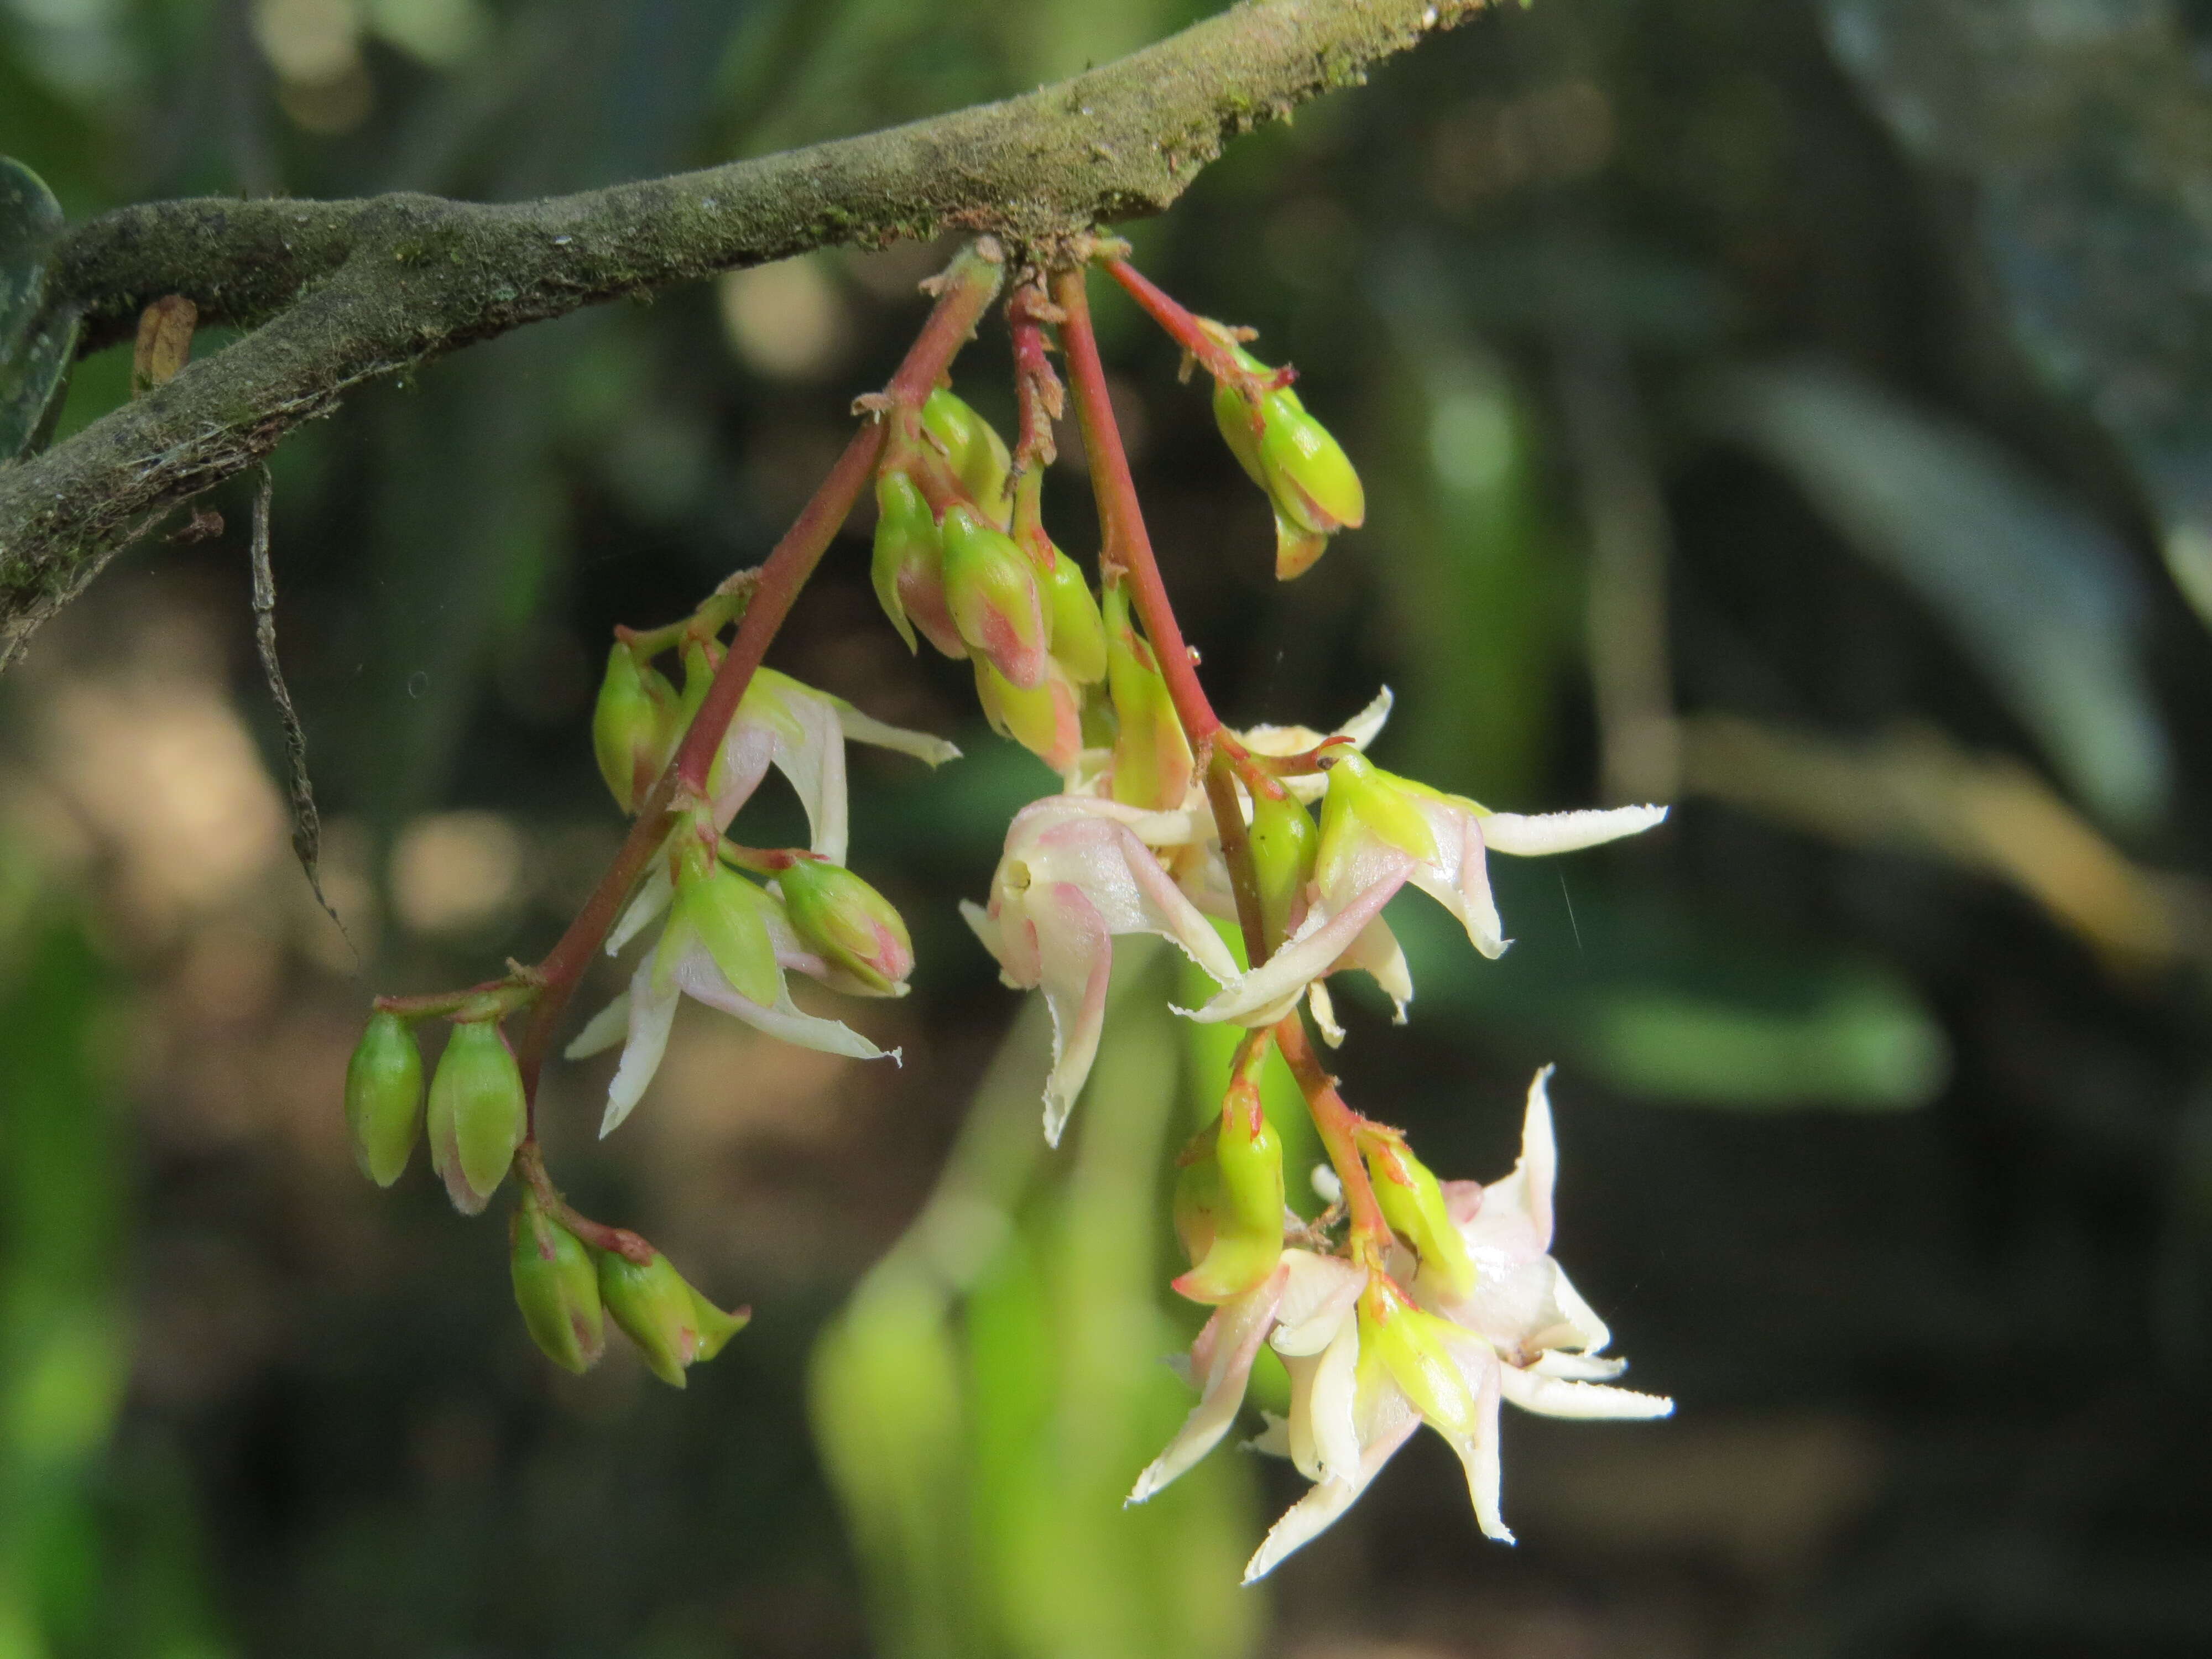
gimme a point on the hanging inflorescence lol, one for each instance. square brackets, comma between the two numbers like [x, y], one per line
[1410, 1300]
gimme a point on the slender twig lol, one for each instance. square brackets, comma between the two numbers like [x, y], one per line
[970, 286]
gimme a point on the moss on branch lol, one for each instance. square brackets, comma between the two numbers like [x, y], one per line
[337, 293]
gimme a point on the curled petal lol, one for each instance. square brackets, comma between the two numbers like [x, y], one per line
[1319, 1509]
[1477, 1446]
[1459, 877]
[1318, 1294]
[1565, 832]
[858, 727]
[1076, 961]
[1551, 1396]
[1229, 1343]
[1264, 995]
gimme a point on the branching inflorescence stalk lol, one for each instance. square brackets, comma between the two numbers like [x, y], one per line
[1127, 552]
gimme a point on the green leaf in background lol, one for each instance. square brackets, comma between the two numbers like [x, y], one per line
[984, 1402]
[35, 349]
[1673, 1007]
[2041, 593]
[2086, 129]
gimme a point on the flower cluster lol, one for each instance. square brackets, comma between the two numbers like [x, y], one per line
[1268, 856]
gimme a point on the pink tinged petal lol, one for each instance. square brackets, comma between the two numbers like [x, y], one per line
[446, 1159]
[1075, 960]
[652, 1012]
[1460, 878]
[1565, 832]
[651, 899]
[1319, 1509]
[602, 1032]
[1231, 1341]
[1551, 1396]
[784, 1019]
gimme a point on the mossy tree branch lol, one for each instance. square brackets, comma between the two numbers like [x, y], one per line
[337, 292]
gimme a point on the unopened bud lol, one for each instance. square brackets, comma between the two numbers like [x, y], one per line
[477, 1113]
[974, 446]
[908, 569]
[1048, 721]
[1079, 635]
[1365, 805]
[557, 1289]
[729, 916]
[1247, 1212]
[850, 924]
[673, 1326]
[1310, 482]
[1412, 1203]
[1198, 1195]
[991, 587]
[1152, 757]
[630, 725]
[383, 1097]
[1283, 843]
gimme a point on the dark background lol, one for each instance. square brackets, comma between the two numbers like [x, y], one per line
[1793, 411]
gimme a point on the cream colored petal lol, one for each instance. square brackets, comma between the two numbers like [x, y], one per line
[1552, 1396]
[866, 728]
[602, 1032]
[1238, 1328]
[784, 1020]
[651, 899]
[1332, 1423]
[1319, 1509]
[1260, 997]
[1565, 832]
[1076, 954]
[652, 1011]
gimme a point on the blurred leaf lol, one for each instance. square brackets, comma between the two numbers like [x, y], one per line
[2041, 593]
[2087, 129]
[35, 349]
[1672, 1006]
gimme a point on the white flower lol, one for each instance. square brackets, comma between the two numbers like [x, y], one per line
[1380, 832]
[1076, 871]
[727, 944]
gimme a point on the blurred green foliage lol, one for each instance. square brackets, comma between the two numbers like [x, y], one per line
[1874, 329]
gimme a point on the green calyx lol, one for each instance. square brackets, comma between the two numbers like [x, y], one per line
[383, 1097]
[730, 916]
[1047, 720]
[991, 589]
[1285, 843]
[631, 725]
[557, 1288]
[477, 1113]
[1411, 1346]
[1246, 1208]
[1365, 804]
[1312, 484]
[1412, 1202]
[1152, 757]
[673, 1326]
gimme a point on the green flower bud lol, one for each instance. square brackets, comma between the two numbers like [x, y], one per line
[908, 570]
[383, 1097]
[1312, 485]
[1285, 841]
[1047, 722]
[627, 726]
[1198, 1194]
[1079, 633]
[557, 1289]
[673, 1326]
[1365, 804]
[849, 924]
[1152, 757]
[1413, 1203]
[991, 587]
[477, 1113]
[1248, 1211]
[731, 917]
[974, 446]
